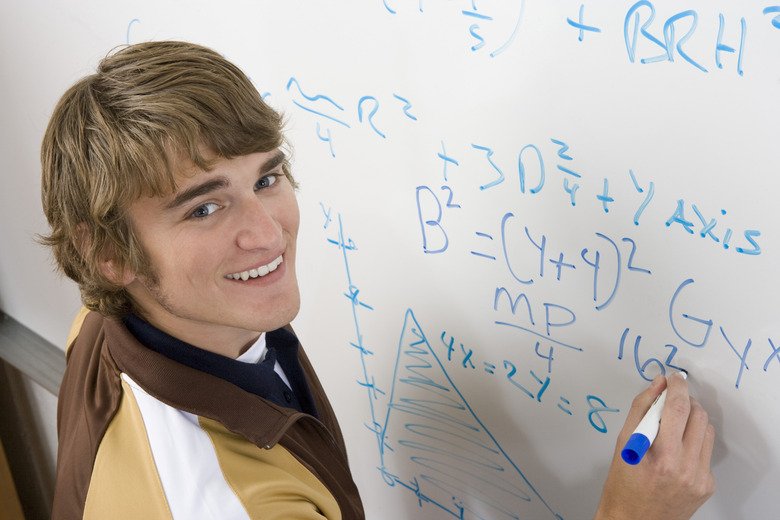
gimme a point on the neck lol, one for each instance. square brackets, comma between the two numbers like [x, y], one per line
[225, 341]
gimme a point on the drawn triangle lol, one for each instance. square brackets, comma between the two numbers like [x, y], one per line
[435, 446]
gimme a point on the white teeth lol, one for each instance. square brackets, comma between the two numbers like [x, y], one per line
[258, 271]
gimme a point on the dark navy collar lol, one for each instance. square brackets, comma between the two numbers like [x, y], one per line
[257, 378]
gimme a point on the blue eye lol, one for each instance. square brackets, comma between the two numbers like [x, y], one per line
[205, 210]
[265, 182]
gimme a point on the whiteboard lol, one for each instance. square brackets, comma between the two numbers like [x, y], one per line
[514, 215]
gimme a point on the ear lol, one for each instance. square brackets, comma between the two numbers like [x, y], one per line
[108, 263]
[117, 274]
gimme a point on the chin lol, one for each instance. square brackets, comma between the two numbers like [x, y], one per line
[283, 316]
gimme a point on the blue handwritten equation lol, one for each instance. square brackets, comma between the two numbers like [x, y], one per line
[479, 22]
[685, 216]
[608, 261]
[533, 386]
[331, 114]
[648, 37]
[430, 442]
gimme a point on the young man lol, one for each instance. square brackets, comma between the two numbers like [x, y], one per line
[172, 206]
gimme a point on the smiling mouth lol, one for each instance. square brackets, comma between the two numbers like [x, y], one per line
[256, 272]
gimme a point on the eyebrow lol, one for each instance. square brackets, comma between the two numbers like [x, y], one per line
[196, 191]
[218, 183]
[275, 160]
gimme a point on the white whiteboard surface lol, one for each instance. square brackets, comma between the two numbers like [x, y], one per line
[453, 157]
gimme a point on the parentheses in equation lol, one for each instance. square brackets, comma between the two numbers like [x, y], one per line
[391, 11]
[129, 26]
[504, 220]
[514, 33]
[617, 276]
[596, 265]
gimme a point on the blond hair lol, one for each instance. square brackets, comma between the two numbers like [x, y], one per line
[113, 137]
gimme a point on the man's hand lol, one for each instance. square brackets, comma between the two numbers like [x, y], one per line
[674, 478]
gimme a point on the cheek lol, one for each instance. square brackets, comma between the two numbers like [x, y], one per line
[297, 221]
[182, 259]
[292, 216]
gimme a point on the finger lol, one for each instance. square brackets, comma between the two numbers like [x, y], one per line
[695, 430]
[706, 458]
[640, 405]
[699, 441]
[707, 446]
[674, 417]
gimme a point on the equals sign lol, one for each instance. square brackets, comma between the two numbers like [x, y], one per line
[484, 255]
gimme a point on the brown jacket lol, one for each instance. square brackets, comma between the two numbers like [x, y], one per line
[95, 404]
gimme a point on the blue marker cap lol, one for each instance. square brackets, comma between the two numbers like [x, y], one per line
[635, 449]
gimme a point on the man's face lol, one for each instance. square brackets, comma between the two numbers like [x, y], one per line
[221, 251]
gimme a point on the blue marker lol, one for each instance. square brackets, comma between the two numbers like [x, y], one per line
[645, 432]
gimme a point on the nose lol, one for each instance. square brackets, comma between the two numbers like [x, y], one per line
[257, 226]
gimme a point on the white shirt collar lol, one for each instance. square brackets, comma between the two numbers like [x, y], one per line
[256, 352]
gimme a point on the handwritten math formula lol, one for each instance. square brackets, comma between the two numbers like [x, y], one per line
[648, 35]
[514, 214]
[606, 261]
[432, 440]
[550, 163]
[558, 296]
